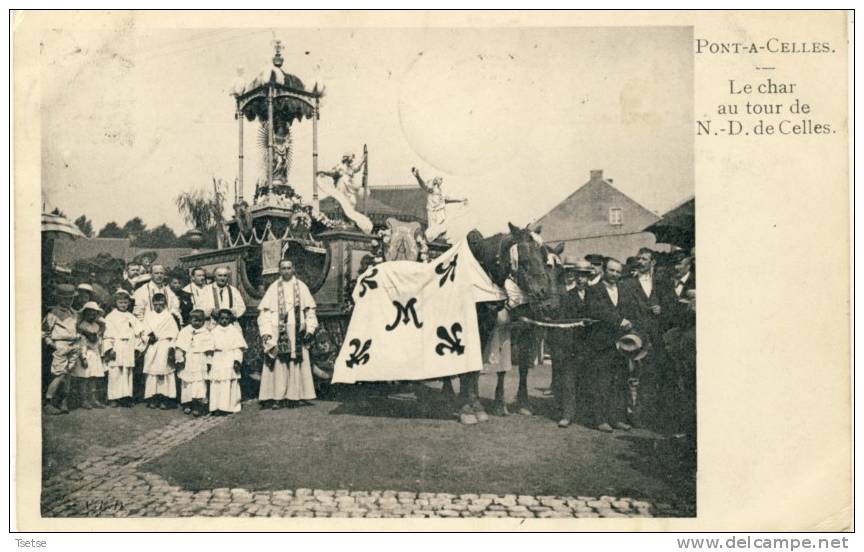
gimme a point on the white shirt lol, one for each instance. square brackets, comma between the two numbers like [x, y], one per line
[647, 283]
[679, 284]
[225, 298]
[612, 290]
[145, 293]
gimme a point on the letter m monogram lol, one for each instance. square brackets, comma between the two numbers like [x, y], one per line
[404, 314]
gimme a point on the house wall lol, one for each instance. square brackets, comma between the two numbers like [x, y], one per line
[619, 247]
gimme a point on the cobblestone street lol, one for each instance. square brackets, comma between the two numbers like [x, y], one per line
[112, 483]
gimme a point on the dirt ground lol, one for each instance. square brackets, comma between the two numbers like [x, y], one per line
[399, 437]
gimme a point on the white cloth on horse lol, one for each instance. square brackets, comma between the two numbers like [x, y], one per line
[415, 321]
[362, 221]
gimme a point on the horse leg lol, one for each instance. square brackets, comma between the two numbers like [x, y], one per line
[527, 352]
[447, 389]
[476, 405]
[500, 408]
[466, 412]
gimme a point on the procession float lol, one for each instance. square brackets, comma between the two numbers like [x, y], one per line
[329, 249]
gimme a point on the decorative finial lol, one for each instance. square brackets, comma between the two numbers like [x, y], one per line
[277, 59]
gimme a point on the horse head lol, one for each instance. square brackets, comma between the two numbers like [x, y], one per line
[535, 267]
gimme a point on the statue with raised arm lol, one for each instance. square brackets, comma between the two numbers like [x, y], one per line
[343, 177]
[436, 205]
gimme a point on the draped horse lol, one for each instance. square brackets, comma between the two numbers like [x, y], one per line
[530, 273]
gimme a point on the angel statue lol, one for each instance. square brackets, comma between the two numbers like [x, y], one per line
[436, 205]
[343, 177]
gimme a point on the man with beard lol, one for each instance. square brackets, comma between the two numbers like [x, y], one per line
[614, 309]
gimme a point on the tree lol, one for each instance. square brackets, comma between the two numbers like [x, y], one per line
[135, 228]
[161, 236]
[85, 225]
[111, 230]
[201, 210]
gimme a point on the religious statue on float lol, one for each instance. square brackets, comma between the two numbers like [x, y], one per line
[436, 205]
[343, 177]
[345, 190]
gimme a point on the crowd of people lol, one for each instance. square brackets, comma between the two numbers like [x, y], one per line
[167, 342]
[633, 361]
[172, 338]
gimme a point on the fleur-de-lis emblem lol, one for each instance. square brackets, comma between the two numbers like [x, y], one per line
[359, 353]
[450, 341]
[404, 314]
[448, 271]
[367, 282]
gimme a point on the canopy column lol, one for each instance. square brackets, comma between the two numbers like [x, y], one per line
[239, 116]
[315, 115]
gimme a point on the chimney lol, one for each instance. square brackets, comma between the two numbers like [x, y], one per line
[597, 174]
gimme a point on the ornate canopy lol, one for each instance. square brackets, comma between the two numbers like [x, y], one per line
[291, 100]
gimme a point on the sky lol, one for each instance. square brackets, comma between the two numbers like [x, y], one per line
[513, 119]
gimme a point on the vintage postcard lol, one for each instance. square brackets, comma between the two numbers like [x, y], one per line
[432, 271]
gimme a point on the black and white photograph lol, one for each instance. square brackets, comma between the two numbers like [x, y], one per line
[393, 265]
[368, 273]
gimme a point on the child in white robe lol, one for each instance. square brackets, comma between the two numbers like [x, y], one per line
[122, 337]
[160, 330]
[90, 370]
[224, 375]
[193, 354]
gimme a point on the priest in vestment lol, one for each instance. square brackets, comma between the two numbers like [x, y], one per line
[286, 322]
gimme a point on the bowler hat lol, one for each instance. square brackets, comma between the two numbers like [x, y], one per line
[677, 256]
[595, 258]
[632, 346]
[64, 290]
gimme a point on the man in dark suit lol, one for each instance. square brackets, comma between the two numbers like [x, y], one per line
[647, 289]
[675, 314]
[614, 309]
[569, 345]
[676, 288]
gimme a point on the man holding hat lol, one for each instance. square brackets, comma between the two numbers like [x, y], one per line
[614, 308]
[646, 288]
[569, 345]
[60, 335]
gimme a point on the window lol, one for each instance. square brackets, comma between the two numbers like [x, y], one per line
[616, 216]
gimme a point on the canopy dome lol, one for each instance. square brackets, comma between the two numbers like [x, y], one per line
[291, 102]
